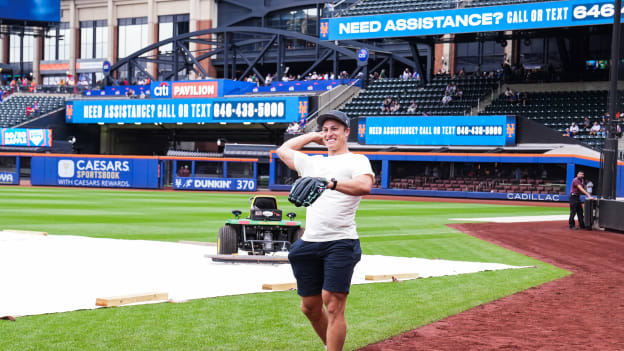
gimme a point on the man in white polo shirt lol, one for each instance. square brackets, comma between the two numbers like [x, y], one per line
[324, 258]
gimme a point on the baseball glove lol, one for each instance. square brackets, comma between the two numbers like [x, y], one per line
[306, 190]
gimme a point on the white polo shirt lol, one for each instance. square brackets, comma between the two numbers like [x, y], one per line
[332, 215]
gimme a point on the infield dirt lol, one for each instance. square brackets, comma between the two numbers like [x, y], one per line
[583, 311]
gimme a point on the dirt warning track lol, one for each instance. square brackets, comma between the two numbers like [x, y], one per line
[583, 311]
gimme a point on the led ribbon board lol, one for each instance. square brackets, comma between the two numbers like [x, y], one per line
[25, 137]
[283, 109]
[439, 130]
[469, 20]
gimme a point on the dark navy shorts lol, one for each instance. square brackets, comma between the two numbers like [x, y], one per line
[324, 265]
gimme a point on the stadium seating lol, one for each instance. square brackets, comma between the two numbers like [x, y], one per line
[482, 184]
[13, 109]
[428, 97]
[375, 7]
[482, 3]
[558, 110]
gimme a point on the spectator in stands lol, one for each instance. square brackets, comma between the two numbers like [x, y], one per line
[523, 98]
[595, 129]
[406, 74]
[574, 128]
[293, 128]
[29, 110]
[413, 107]
[603, 130]
[382, 74]
[590, 187]
[395, 106]
[459, 94]
[35, 108]
[510, 95]
[506, 70]
[462, 72]
[416, 76]
[586, 123]
[478, 72]
[385, 105]
[33, 86]
[13, 85]
[567, 133]
[25, 83]
[184, 171]
[446, 99]
[451, 88]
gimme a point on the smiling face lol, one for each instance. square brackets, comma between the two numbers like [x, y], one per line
[335, 135]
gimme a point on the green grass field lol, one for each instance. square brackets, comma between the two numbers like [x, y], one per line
[270, 321]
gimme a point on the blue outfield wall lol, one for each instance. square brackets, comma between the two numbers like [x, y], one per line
[98, 172]
[142, 172]
[570, 161]
[9, 178]
[224, 183]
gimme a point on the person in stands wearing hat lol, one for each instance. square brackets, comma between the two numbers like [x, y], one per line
[324, 258]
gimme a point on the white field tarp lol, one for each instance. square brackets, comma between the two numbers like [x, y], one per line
[59, 273]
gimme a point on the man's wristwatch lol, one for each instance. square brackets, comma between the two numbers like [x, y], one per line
[334, 183]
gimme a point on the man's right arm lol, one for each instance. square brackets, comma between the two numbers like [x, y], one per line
[286, 152]
[581, 189]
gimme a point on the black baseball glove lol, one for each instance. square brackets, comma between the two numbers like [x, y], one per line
[306, 190]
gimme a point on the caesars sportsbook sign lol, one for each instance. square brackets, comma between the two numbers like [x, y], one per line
[95, 172]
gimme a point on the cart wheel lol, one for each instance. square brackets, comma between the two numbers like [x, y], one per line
[226, 241]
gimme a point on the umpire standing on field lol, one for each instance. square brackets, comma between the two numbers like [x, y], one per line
[324, 258]
[576, 206]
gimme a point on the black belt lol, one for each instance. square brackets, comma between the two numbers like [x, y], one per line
[575, 194]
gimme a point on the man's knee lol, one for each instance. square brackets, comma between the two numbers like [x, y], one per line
[311, 306]
[335, 303]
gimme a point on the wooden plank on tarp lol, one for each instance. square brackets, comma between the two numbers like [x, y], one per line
[128, 299]
[279, 286]
[390, 276]
[27, 232]
[248, 259]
